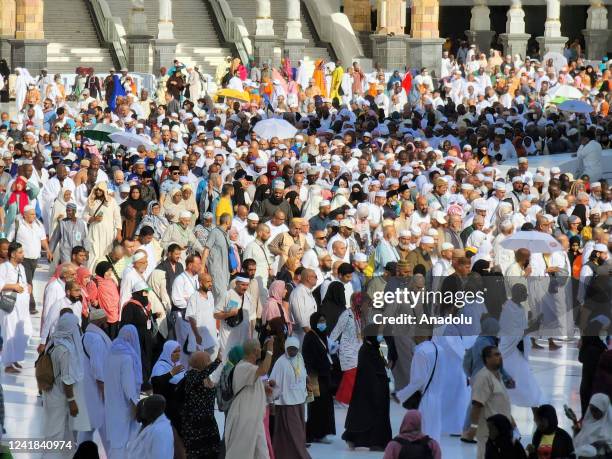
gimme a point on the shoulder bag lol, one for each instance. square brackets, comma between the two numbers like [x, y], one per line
[413, 402]
[8, 299]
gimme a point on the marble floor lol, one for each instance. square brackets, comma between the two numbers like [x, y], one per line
[558, 374]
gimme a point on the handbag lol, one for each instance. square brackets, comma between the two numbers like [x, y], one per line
[413, 402]
[8, 299]
[238, 318]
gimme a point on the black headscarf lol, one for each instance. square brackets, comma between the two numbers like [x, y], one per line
[4, 70]
[481, 267]
[359, 195]
[314, 320]
[141, 298]
[87, 450]
[261, 193]
[334, 303]
[580, 211]
[549, 413]
[138, 204]
[291, 197]
[102, 268]
[238, 198]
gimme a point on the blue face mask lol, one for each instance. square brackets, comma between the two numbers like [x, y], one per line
[321, 327]
[380, 338]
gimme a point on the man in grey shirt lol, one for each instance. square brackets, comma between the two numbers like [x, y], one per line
[215, 257]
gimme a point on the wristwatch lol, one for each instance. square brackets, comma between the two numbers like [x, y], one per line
[70, 399]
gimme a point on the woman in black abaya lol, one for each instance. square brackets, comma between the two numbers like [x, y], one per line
[367, 420]
[321, 421]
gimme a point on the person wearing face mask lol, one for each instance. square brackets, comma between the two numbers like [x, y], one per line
[321, 419]
[367, 420]
[137, 312]
[289, 373]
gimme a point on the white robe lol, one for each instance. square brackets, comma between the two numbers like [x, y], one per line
[129, 278]
[513, 323]
[457, 389]
[97, 345]
[16, 326]
[155, 441]
[231, 336]
[119, 397]
[420, 371]
[48, 195]
[52, 315]
[54, 291]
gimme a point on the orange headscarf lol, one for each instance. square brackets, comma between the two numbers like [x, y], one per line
[319, 76]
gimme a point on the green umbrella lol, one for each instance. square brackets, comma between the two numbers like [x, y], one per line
[558, 100]
[100, 132]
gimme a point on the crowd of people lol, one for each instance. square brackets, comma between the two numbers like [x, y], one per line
[202, 264]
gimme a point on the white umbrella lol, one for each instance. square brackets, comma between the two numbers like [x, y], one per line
[275, 127]
[575, 106]
[567, 91]
[535, 241]
[130, 140]
[559, 60]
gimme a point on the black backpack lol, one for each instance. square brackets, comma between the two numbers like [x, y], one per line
[418, 449]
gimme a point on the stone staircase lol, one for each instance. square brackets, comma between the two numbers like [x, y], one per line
[246, 9]
[195, 29]
[73, 39]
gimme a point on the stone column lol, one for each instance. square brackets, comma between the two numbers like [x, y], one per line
[358, 12]
[138, 40]
[29, 48]
[515, 39]
[389, 43]
[597, 33]
[264, 42]
[165, 45]
[165, 24]
[480, 32]
[294, 41]
[552, 41]
[425, 44]
[7, 29]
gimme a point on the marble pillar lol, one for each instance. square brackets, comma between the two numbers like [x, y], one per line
[597, 33]
[391, 17]
[480, 32]
[137, 20]
[294, 21]
[29, 48]
[515, 39]
[264, 24]
[165, 24]
[358, 13]
[552, 41]
[425, 44]
[138, 39]
[7, 29]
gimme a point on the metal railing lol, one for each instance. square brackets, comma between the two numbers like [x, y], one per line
[233, 28]
[112, 30]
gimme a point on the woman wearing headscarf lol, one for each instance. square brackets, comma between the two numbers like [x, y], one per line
[65, 408]
[107, 294]
[311, 206]
[321, 420]
[137, 312]
[104, 219]
[14, 202]
[596, 427]
[319, 76]
[173, 207]
[501, 443]
[234, 356]
[154, 219]
[289, 374]
[349, 330]
[189, 202]
[165, 375]
[122, 381]
[88, 292]
[295, 202]
[334, 302]
[410, 433]
[275, 317]
[286, 272]
[549, 441]
[367, 420]
[58, 212]
[132, 211]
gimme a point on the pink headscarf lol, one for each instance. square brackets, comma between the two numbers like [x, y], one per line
[411, 430]
[272, 308]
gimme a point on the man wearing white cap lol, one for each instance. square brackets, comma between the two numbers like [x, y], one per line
[178, 233]
[597, 257]
[385, 250]
[29, 232]
[443, 266]
[344, 235]
[249, 232]
[422, 254]
[132, 275]
[499, 193]
[233, 314]
[320, 221]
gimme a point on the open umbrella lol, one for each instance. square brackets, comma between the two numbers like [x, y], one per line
[567, 91]
[275, 127]
[575, 106]
[242, 96]
[535, 241]
[130, 140]
[100, 132]
[558, 60]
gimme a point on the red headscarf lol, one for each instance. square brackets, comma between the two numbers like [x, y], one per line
[87, 290]
[19, 196]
